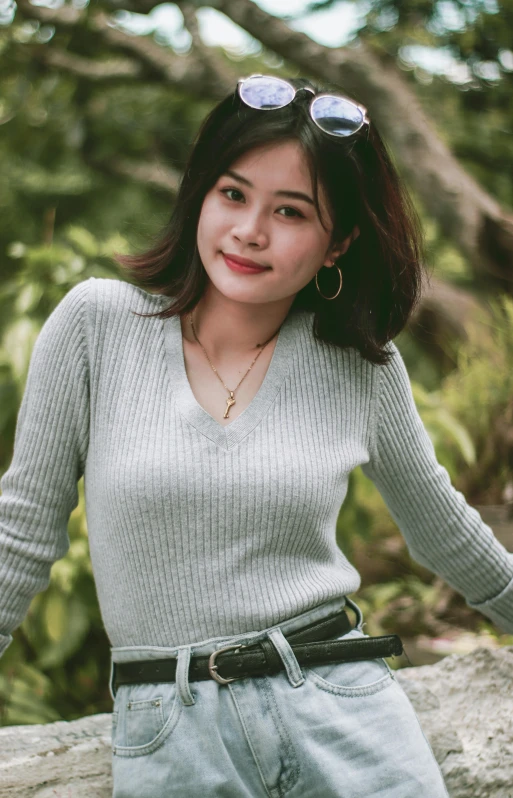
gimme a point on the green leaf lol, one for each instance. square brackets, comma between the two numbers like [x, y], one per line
[75, 626]
[55, 616]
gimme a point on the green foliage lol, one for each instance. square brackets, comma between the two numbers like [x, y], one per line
[467, 97]
[27, 695]
[58, 665]
[65, 210]
[482, 384]
[450, 438]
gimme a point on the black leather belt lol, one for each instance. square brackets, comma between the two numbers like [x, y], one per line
[311, 646]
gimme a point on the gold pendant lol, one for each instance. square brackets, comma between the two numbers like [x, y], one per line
[229, 402]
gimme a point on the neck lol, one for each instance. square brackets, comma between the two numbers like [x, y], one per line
[230, 329]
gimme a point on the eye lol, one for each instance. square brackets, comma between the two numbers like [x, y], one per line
[226, 190]
[294, 211]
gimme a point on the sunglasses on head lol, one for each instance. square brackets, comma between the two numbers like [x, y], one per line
[332, 113]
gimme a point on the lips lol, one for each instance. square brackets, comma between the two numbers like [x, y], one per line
[244, 261]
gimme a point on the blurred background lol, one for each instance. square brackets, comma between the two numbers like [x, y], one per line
[98, 106]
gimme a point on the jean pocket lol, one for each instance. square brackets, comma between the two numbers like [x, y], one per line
[355, 678]
[143, 717]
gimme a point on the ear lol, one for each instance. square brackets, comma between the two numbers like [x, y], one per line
[343, 247]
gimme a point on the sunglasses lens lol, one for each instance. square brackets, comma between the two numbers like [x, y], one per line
[266, 92]
[336, 116]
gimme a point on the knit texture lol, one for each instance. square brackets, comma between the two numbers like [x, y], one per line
[198, 530]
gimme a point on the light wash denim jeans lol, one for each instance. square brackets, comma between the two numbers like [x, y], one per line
[344, 730]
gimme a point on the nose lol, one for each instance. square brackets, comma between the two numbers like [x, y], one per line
[251, 230]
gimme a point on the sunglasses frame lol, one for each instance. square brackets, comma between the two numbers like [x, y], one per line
[361, 108]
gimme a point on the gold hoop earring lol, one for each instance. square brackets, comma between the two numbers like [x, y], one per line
[339, 288]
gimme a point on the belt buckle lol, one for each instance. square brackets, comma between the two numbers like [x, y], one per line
[213, 668]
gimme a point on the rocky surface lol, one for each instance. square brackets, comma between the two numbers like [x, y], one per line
[464, 704]
[465, 707]
[57, 760]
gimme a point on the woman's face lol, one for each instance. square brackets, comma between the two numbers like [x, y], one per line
[263, 211]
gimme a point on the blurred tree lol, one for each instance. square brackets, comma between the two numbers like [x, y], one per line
[92, 45]
[97, 122]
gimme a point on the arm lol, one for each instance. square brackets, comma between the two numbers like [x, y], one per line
[39, 489]
[441, 530]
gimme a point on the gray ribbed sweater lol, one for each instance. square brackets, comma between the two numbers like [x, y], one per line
[199, 530]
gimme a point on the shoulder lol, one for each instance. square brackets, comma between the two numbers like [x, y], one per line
[395, 369]
[67, 319]
[345, 359]
[109, 290]
[115, 296]
[395, 388]
[63, 335]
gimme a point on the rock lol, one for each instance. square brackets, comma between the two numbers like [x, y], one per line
[465, 707]
[57, 760]
[464, 704]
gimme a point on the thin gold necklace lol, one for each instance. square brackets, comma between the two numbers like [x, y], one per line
[231, 401]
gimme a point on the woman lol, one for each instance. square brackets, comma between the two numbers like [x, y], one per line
[216, 433]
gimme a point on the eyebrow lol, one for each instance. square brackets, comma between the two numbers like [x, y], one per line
[283, 193]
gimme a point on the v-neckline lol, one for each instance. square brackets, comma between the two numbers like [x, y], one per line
[229, 435]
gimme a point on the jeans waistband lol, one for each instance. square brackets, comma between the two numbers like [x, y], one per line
[206, 647]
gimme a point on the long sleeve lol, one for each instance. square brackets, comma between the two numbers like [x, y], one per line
[441, 530]
[39, 489]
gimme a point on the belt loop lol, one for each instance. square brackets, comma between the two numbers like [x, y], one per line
[111, 679]
[359, 615]
[288, 657]
[182, 675]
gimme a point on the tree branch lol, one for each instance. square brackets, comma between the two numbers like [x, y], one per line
[96, 71]
[206, 54]
[188, 73]
[150, 174]
[467, 214]
[65, 16]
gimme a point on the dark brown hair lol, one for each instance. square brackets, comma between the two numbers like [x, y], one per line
[382, 269]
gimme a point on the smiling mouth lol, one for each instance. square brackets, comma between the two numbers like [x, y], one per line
[236, 264]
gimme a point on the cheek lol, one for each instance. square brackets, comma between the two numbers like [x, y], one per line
[304, 249]
[209, 221]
